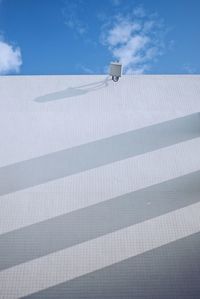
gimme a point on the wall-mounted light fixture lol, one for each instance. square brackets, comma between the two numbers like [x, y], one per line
[115, 71]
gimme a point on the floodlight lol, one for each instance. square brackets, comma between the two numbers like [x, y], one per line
[115, 71]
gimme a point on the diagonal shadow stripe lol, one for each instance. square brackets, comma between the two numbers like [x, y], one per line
[76, 227]
[171, 271]
[42, 169]
[88, 257]
[59, 197]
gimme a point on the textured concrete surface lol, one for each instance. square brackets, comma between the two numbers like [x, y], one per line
[100, 187]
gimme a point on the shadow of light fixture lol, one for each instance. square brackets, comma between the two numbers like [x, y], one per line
[73, 91]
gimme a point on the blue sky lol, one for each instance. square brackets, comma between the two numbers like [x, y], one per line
[83, 36]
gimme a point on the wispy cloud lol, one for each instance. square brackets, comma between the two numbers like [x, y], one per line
[73, 13]
[135, 39]
[139, 12]
[115, 2]
[85, 69]
[10, 58]
[189, 69]
[132, 35]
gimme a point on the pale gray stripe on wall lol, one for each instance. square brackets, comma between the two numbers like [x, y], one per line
[43, 238]
[81, 158]
[171, 271]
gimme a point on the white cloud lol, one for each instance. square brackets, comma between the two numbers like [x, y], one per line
[121, 33]
[136, 40]
[10, 58]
